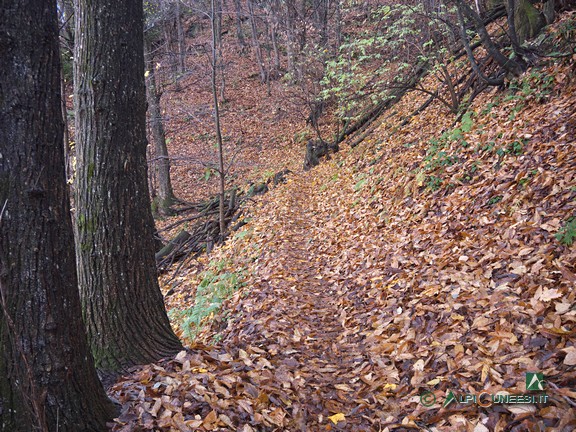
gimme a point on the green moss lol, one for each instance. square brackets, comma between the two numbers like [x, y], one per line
[529, 21]
[105, 358]
[86, 225]
[90, 169]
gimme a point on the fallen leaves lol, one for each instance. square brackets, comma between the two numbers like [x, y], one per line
[337, 418]
[359, 298]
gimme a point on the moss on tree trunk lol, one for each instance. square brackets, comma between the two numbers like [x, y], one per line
[47, 376]
[123, 306]
[529, 21]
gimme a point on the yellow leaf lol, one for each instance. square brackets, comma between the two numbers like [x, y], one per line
[390, 386]
[485, 371]
[434, 381]
[343, 387]
[337, 418]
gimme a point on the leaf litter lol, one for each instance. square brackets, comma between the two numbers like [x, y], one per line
[359, 297]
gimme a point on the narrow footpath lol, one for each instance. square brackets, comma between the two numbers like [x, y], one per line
[299, 320]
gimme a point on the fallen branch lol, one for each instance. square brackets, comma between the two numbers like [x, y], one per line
[205, 232]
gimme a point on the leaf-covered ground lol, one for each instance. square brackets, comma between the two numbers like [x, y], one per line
[427, 259]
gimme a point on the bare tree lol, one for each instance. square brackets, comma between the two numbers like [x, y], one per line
[165, 198]
[219, 141]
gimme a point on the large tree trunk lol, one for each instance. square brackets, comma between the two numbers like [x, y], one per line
[528, 21]
[123, 306]
[47, 376]
[165, 191]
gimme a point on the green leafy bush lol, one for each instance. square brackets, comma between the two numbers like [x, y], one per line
[397, 41]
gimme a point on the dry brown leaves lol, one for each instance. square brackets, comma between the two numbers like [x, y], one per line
[366, 289]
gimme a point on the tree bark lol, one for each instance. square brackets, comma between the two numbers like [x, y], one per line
[239, 32]
[291, 38]
[181, 39]
[68, 154]
[123, 306]
[274, 19]
[47, 376]
[165, 191]
[219, 140]
[508, 64]
[256, 42]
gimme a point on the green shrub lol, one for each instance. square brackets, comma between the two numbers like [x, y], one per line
[216, 287]
[567, 234]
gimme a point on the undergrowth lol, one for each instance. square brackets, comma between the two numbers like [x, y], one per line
[567, 234]
[448, 148]
[217, 285]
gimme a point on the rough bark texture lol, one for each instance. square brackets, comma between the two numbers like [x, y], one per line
[123, 306]
[47, 376]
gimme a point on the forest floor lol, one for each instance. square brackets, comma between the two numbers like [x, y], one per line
[434, 258]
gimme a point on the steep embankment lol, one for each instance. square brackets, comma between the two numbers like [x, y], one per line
[427, 259]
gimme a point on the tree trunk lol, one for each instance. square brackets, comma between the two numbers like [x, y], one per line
[338, 25]
[217, 120]
[181, 40]
[123, 306]
[165, 191]
[47, 376]
[321, 20]
[274, 22]
[549, 11]
[256, 42]
[290, 38]
[218, 10]
[528, 21]
[475, 66]
[239, 14]
[171, 45]
[509, 65]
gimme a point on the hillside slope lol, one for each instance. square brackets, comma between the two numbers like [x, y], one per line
[431, 258]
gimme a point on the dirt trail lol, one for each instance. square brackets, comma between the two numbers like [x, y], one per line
[299, 320]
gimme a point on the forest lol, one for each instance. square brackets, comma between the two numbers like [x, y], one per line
[287, 215]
